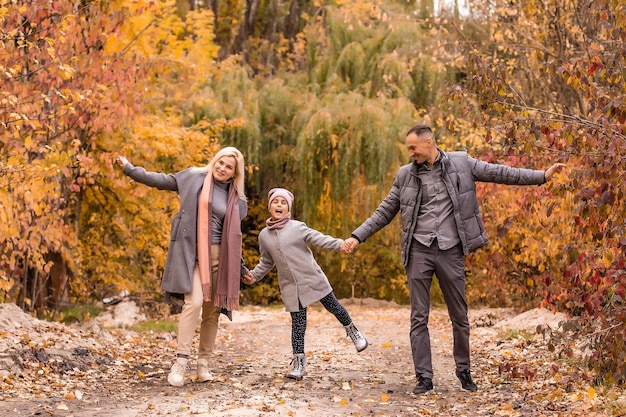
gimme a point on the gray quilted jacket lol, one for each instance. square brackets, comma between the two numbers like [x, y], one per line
[460, 172]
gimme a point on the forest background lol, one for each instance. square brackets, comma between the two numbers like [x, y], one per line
[318, 95]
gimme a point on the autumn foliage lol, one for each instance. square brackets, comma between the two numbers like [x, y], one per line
[548, 78]
[60, 93]
[318, 96]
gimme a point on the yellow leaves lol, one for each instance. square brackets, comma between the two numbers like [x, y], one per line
[583, 395]
[498, 36]
[507, 406]
[607, 259]
[159, 29]
[6, 283]
[113, 45]
[28, 142]
[591, 393]
[199, 46]
[52, 53]
[557, 394]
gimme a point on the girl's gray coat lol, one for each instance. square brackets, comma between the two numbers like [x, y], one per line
[299, 276]
[181, 255]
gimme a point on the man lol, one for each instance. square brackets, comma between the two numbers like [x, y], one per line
[436, 197]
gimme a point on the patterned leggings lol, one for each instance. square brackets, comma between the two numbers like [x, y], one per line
[298, 321]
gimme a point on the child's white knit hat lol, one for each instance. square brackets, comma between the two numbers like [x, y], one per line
[280, 192]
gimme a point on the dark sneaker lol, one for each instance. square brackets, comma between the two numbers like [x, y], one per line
[466, 380]
[423, 385]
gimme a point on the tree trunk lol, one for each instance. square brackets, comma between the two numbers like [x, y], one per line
[57, 288]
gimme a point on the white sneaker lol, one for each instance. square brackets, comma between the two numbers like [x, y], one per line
[203, 371]
[178, 371]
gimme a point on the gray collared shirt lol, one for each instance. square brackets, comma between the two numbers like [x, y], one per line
[436, 214]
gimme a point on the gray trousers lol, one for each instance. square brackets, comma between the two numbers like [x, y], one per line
[449, 268]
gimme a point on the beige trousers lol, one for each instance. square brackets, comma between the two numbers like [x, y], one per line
[192, 307]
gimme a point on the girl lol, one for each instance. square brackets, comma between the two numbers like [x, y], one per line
[204, 264]
[283, 243]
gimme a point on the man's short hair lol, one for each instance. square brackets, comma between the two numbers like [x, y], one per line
[420, 130]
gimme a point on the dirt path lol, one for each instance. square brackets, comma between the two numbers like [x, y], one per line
[115, 372]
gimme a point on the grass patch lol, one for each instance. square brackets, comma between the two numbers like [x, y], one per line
[156, 326]
[515, 334]
[76, 313]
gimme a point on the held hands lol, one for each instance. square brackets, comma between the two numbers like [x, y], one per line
[553, 170]
[349, 245]
[248, 278]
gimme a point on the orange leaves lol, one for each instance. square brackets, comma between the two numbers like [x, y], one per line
[75, 395]
[51, 110]
[525, 242]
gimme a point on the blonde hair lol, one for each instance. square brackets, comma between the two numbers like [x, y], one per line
[239, 177]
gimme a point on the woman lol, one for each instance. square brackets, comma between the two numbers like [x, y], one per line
[204, 264]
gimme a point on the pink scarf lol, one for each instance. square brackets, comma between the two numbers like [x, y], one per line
[277, 224]
[229, 269]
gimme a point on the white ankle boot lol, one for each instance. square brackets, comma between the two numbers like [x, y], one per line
[298, 365]
[357, 337]
[178, 371]
[203, 370]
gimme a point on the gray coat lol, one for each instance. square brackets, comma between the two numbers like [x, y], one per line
[181, 255]
[459, 172]
[300, 278]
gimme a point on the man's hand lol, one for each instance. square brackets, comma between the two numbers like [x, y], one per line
[349, 245]
[553, 170]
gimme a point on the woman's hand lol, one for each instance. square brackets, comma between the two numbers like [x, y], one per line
[121, 161]
[248, 278]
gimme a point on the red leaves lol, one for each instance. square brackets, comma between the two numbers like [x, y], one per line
[594, 67]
